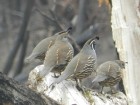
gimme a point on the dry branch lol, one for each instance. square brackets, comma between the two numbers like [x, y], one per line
[22, 55]
[20, 37]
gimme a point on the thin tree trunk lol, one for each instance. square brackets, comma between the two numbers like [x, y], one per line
[81, 17]
[20, 37]
[22, 55]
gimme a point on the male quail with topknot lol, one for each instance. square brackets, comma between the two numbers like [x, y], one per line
[82, 65]
[41, 48]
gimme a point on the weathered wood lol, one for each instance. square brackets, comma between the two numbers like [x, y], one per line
[126, 34]
[14, 93]
[66, 94]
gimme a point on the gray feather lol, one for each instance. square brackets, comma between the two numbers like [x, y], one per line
[99, 78]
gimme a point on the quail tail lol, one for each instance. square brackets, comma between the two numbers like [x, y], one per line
[45, 71]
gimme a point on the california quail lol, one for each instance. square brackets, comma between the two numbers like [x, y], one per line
[109, 73]
[58, 55]
[82, 65]
[41, 48]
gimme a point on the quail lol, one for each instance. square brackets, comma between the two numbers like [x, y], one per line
[82, 65]
[58, 56]
[109, 73]
[41, 48]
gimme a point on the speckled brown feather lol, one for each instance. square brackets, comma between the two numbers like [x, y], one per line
[109, 74]
[58, 56]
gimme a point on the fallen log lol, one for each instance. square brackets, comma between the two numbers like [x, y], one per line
[66, 94]
[14, 93]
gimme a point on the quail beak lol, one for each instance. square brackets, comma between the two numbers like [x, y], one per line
[69, 30]
[66, 33]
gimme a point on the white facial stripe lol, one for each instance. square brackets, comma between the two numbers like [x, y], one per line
[91, 42]
[92, 46]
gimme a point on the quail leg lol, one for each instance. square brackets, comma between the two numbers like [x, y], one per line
[86, 92]
[113, 90]
[59, 69]
[78, 85]
[55, 76]
[102, 90]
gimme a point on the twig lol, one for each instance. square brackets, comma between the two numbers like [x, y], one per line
[52, 22]
[22, 54]
[87, 34]
[73, 41]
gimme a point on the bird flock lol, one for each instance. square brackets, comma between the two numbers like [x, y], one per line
[58, 55]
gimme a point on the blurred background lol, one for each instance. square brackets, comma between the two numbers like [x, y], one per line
[24, 23]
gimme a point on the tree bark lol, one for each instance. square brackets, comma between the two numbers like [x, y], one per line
[126, 34]
[14, 93]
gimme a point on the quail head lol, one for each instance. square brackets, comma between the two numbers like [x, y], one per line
[41, 48]
[109, 73]
[82, 65]
[58, 56]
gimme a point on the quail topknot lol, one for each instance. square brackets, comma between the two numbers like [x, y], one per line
[109, 73]
[58, 56]
[82, 65]
[41, 48]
